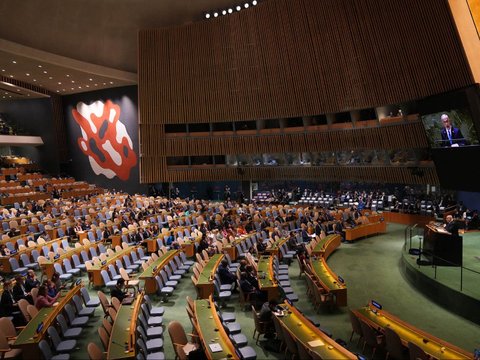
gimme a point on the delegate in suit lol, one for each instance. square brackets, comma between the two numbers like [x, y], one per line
[451, 136]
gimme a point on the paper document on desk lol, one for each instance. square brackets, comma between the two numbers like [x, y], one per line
[215, 347]
[189, 347]
[316, 343]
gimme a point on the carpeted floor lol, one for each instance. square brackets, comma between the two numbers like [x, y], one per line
[371, 269]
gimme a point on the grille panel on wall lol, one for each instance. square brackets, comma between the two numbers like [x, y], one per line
[284, 59]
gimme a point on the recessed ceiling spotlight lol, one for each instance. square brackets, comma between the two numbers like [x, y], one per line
[246, 5]
[45, 71]
[63, 89]
[10, 96]
[28, 74]
[104, 83]
[68, 75]
[87, 86]
[73, 88]
[79, 87]
[34, 80]
[90, 79]
[254, 2]
[215, 14]
[50, 77]
[111, 82]
[11, 76]
[73, 81]
[59, 83]
[96, 84]
[238, 8]
[14, 62]
[230, 10]
[18, 90]
[4, 97]
[3, 70]
[58, 90]
[39, 66]
[28, 94]
[224, 12]
[207, 16]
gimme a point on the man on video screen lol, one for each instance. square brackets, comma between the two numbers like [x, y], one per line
[451, 136]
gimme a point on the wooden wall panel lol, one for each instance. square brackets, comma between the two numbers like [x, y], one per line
[288, 58]
[406, 136]
[368, 174]
[292, 58]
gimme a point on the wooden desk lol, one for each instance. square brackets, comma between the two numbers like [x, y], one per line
[305, 332]
[205, 280]
[149, 274]
[329, 280]
[211, 331]
[95, 273]
[274, 248]
[407, 219]
[122, 338]
[4, 260]
[266, 278]
[28, 340]
[327, 245]
[360, 231]
[433, 346]
[48, 265]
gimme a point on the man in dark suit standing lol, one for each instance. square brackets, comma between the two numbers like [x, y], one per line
[451, 136]
[451, 225]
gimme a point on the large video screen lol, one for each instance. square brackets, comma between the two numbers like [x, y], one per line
[450, 129]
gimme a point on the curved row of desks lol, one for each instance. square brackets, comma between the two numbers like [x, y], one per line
[328, 279]
[435, 347]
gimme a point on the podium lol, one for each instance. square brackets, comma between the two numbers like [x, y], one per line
[442, 248]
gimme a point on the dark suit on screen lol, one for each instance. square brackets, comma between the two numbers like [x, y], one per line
[456, 137]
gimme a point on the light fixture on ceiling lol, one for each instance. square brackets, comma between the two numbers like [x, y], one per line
[28, 74]
[230, 10]
[238, 8]
[246, 5]
[14, 62]
[207, 16]
[224, 12]
[39, 66]
[90, 79]
[45, 72]
[254, 2]
[68, 75]
[215, 14]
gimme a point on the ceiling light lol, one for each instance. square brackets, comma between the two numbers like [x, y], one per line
[27, 74]
[34, 80]
[230, 10]
[224, 12]
[111, 82]
[28, 94]
[39, 66]
[90, 79]
[58, 90]
[104, 83]
[3, 70]
[68, 75]
[45, 71]
[246, 5]
[73, 81]
[87, 85]
[254, 2]
[59, 83]
[10, 96]
[239, 8]
[207, 16]
[14, 62]
[11, 76]
[63, 89]
[50, 77]
[79, 87]
[73, 88]
[4, 97]
[215, 14]
[96, 84]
